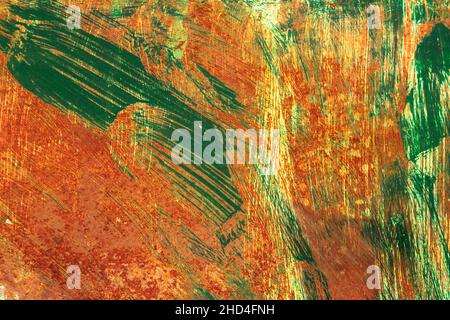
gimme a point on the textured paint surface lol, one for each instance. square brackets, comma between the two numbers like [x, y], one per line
[86, 176]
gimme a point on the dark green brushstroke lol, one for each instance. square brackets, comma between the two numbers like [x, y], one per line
[227, 96]
[316, 285]
[217, 195]
[267, 55]
[429, 122]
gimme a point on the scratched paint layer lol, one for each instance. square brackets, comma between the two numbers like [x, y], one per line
[357, 208]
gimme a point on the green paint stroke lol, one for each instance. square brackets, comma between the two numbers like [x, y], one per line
[424, 126]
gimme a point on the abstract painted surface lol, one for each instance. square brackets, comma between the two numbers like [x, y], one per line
[86, 175]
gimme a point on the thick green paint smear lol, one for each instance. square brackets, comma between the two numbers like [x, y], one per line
[213, 183]
[74, 70]
[75, 78]
[429, 122]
